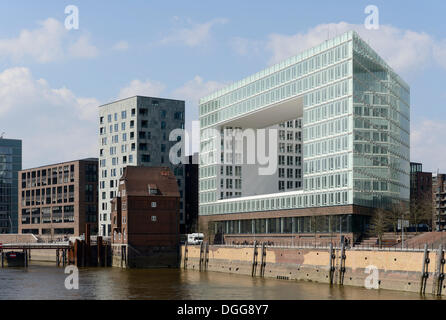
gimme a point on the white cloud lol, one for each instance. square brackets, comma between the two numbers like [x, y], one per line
[403, 50]
[427, 144]
[121, 46]
[142, 88]
[82, 48]
[193, 35]
[54, 124]
[197, 88]
[49, 42]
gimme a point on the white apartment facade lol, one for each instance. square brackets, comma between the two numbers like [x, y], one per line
[135, 132]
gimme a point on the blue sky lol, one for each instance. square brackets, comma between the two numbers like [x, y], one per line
[186, 50]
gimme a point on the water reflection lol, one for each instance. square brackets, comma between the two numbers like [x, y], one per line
[41, 281]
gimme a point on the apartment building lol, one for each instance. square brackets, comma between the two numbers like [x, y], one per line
[135, 132]
[60, 199]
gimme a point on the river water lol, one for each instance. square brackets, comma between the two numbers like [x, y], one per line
[45, 281]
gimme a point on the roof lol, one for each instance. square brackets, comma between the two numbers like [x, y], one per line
[140, 180]
[138, 96]
[62, 163]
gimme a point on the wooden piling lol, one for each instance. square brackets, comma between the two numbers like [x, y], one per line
[439, 275]
[254, 260]
[99, 246]
[331, 269]
[263, 260]
[201, 257]
[185, 256]
[206, 256]
[424, 271]
[342, 264]
[105, 255]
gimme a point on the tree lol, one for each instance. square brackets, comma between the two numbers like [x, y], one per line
[380, 223]
[421, 210]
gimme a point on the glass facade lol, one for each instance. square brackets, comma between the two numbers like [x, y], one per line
[355, 129]
[290, 225]
[10, 165]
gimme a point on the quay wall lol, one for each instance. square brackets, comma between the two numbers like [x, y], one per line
[395, 270]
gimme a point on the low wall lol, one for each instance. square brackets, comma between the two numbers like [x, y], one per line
[396, 270]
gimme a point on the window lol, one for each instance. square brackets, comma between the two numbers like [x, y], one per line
[124, 115]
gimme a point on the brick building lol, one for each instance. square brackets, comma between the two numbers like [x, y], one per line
[145, 218]
[59, 199]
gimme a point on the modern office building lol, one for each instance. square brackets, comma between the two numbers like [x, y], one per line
[355, 113]
[10, 164]
[135, 132]
[145, 218]
[59, 200]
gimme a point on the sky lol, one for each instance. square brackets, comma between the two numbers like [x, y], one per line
[52, 79]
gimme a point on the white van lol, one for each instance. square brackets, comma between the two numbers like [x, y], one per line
[195, 238]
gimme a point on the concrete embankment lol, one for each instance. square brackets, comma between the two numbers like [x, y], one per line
[413, 271]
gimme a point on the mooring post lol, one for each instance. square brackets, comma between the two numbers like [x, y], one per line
[331, 264]
[263, 260]
[424, 270]
[201, 257]
[254, 260]
[105, 255]
[342, 264]
[99, 250]
[439, 275]
[185, 257]
[206, 257]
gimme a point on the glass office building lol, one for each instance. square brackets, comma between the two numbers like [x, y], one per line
[10, 165]
[355, 113]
